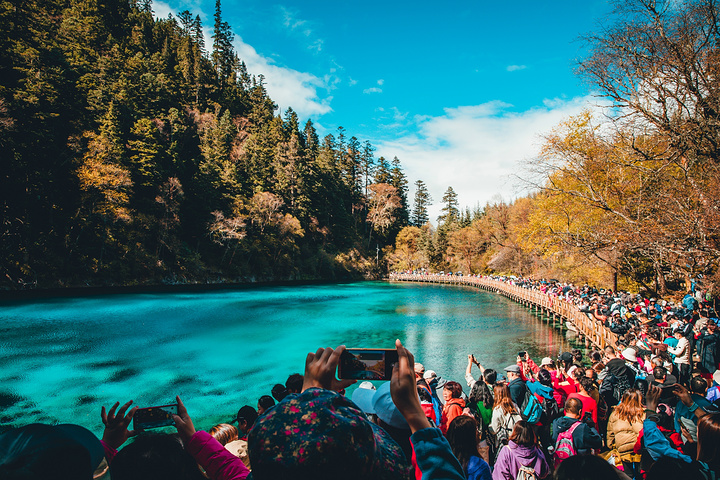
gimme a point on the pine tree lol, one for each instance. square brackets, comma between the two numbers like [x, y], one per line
[399, 181]
[223, 55]
[450, 207]
[367, 165]
[422, 201]
[382, 171]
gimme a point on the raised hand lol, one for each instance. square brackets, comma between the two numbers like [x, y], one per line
[183, 422]
[403, 390]
[116, 424]
[320, 368]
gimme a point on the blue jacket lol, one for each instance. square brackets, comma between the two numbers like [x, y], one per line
[657, 445]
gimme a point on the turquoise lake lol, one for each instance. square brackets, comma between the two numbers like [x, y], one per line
[62, 359]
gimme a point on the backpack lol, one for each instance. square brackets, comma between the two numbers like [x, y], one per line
[530, 410]
[551, 409]
[503, 434]
[564, 446]
[525, 472]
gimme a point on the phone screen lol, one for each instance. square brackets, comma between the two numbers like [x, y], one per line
[154, 417]
[367, 363]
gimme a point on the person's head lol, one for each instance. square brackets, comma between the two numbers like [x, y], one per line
[631, 406]
[462, 435]
[667, 468]
[523, 434]
[512, 372]
[545, 378]
[154, 455]
[586, 467]
[279, 391]
[419, 370]
[320, 434]
[586, 384]
[452, 390]
[246, 417]
[609, 352]
[573, 407]
[265, 402]
[224, 433]
[38, 450]
[659, 374]
[577, 355]
[708, 435]
[501, 394]
[679, 334]
[698, 385]
[566, 360]
[490, 376]
[294, 383]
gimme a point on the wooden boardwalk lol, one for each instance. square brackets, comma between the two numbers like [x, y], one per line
[594, 332]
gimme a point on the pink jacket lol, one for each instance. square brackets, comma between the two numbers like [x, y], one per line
[217, 462]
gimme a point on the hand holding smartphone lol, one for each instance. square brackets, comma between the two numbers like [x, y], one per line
[155, 417]
[367, 363]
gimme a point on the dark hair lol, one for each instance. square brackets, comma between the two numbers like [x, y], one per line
[577, 354]
[586, 467]
[573, 405]
[659, 373]
[455, 389]
[152, 456]
[279, 391]
[462, 437]
[667, 468]
[490, 376]
[265, 402]
[586, 383]
[294, 383]
[246, 414]
[708, 434]
[545, 378]
[698, 385]
[523, 434]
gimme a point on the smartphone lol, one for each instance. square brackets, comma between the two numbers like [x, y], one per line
[522, 355]
[154, 417]
[367, 363]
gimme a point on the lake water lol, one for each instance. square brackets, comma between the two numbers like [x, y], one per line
[62, 359]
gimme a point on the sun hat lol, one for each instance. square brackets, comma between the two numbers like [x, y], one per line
[429, 374]
[386, 410]
[363, 397]
[419, 368]
[38, 450]
[322, 434]
[716, 377]
[629, 354]
[546, 361]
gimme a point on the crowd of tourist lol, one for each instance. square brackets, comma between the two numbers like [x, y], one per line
[648, 408]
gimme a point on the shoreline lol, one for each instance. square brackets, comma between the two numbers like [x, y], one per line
[8, 296]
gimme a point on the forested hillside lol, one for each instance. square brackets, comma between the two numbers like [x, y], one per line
[133, 153]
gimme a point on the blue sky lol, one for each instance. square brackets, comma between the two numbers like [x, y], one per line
[461, 92]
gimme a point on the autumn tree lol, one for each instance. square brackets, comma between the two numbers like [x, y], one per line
[384, 203]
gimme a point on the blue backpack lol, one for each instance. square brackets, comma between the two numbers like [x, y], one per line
[530, 410]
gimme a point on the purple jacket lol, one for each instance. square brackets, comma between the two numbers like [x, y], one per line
[219, 463]
[510, 456]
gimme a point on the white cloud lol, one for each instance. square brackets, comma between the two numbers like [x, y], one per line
[381, 82]
[515, 68]
[476, 149]
[286, 86]
[373, 90]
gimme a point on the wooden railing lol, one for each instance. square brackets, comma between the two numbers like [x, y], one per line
[591, 329]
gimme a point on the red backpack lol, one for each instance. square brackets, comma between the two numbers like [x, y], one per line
[564, 446]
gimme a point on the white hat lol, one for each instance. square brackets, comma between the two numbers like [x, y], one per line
[716, 377]
[419, 368]
[429, 374]
[546, 361]
[629, 354]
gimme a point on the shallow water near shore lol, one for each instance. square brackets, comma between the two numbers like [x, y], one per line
[62, 359]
